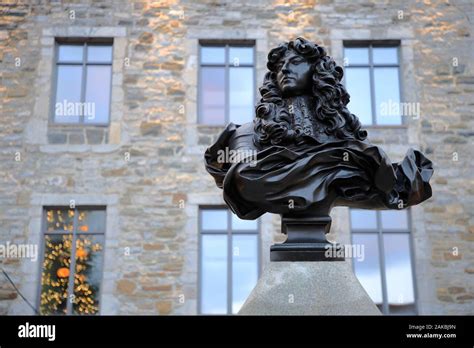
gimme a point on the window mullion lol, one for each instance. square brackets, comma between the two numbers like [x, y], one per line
[401, 96]
[372, 87]
[254, 76]
[227, 86]
[72, 265]
[55, 86]
[199, 91]
[382, 265]
[412, 263]
[229, 263]
[83, 80]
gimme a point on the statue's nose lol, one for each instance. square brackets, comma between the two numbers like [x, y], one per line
[285, 67]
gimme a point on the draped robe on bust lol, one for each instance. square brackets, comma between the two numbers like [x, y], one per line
[320, 171]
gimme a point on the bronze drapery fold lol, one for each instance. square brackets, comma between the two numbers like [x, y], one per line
[347, 172]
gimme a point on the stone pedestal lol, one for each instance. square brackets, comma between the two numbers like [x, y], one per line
[308, 288]
[306, 240]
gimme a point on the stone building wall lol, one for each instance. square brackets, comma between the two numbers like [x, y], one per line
[147, 165]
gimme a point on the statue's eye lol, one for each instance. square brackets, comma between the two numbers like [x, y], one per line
[297, 61]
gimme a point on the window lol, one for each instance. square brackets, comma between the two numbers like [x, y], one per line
[226, 84]
[72, 260]
[372, 80]
[229, 260]
[385, 271]
[83, 83]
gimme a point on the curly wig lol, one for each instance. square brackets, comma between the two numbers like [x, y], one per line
[273, 123]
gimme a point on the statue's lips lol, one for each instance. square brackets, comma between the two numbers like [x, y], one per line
[287, 79]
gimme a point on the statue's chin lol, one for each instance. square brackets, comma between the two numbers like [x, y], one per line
[292, 91]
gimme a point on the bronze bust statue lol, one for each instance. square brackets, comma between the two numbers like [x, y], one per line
[306, 153]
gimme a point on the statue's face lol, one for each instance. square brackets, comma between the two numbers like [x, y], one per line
[294, 75]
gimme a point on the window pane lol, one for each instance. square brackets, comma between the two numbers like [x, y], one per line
[101, 54]
[214, 274]
[68, 94]
[89, 260]
[55, 273]
[363, 219]
[358, 86]
[213, 95]
[356, 55]
[96, 109]
[398, 269]
[214, 219]
[91, 221]
[385, 55]
[247, 225]
[368, 269]
[394, 219]
[241, 95]
[244, 268]
[387, 96]
[70, 53]
[240, 55]
[59, 220]
[212, 55]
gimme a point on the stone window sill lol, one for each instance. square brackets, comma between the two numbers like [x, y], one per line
[77, 135]
[62, 148]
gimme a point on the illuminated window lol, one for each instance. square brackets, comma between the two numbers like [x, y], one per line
[372, 80]
[83, 83]
[226, 83]
[386, 270]
[229, 260]
[72, 261]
